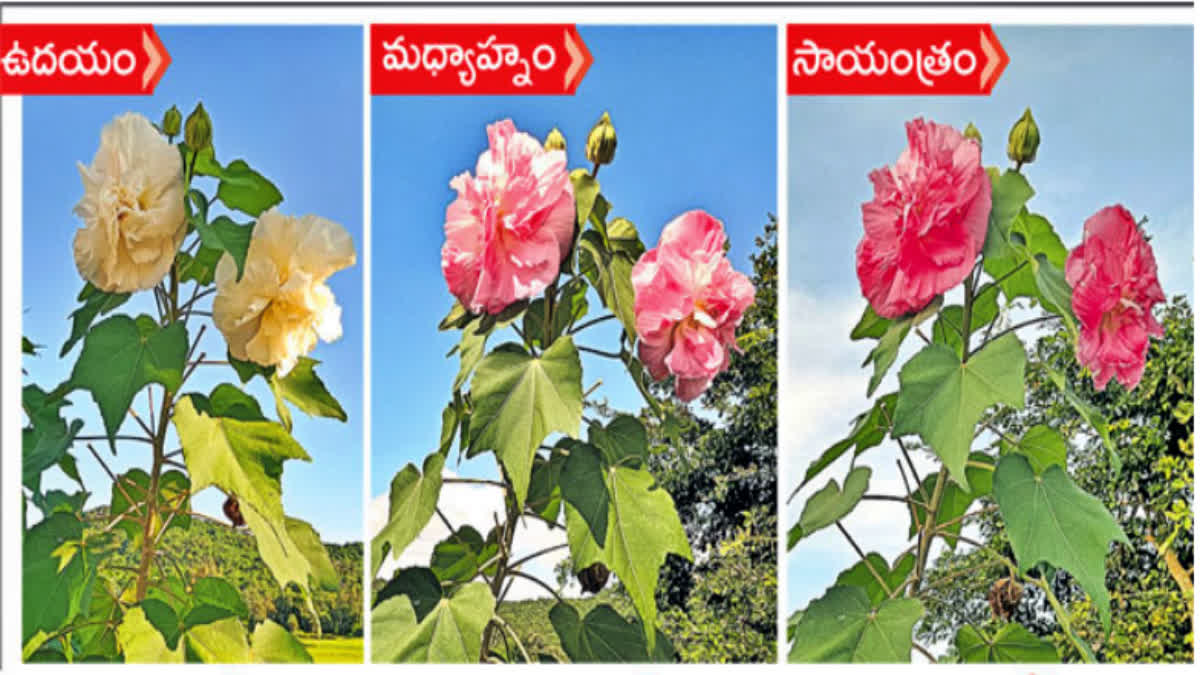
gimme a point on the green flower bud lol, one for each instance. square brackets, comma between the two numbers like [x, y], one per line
[1023, 140]
[602, 141]
[197, 132]
[555, 140]
[972, 133]
[171, 121]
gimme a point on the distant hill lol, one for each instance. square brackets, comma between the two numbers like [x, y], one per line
[211, 548]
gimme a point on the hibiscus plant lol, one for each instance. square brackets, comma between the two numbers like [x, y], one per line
[940, 220]
[153, 239]
[525, 240]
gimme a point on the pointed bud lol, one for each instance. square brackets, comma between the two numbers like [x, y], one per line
[197, 132]
[602, 141]
[171, 121]
[1023, 140]
[555, 140]
[972, 133]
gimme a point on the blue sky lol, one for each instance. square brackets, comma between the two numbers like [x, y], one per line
[301, 126]
[1114, 106]
[696, 129]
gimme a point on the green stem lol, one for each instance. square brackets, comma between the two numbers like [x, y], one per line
[1064, 620]
[928, 530]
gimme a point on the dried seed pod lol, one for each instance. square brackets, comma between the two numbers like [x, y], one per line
[1003, 597]
[593, 578]
[233, 512]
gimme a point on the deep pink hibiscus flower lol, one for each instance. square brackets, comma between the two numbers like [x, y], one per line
[688, 301]
[1114, 287]
[512, 223]
[927, 221]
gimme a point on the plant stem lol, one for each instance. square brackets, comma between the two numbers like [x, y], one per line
[531, 556]
[475, 481]
[1064, 620]
[924, 652]
[1019, 326]
[927, 530]
[590, 323]
[539, 582]
[871, 568]
[599, 352]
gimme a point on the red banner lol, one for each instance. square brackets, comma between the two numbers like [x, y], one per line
[442, 59]
[904, 59]
[80, 59]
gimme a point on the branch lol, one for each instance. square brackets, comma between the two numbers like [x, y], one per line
[599, 352]
[1014, 328]
[925, 652]
[531, 556]
[475, 481]
[539, 582]
[504, 626]
[141, 439]
[589, 324]
[883, 584]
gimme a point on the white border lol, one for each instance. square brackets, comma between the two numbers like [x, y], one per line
[10, 226]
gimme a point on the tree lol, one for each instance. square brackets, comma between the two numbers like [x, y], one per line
[1151, 497]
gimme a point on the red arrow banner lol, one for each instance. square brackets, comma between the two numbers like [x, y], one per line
[47, 59]
[903, 59]
[448, 59]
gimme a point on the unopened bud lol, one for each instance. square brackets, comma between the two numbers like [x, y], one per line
[1023, 140]
[555, 140]
[602, 142]
[973, 133]
[171, 121]
[198, 129]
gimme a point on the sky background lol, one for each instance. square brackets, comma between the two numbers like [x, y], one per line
[301, 126]
[696, 129]
[1114, 106]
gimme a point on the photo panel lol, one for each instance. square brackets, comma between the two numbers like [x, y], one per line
[573, 364]
[988, 419]
[192, 364]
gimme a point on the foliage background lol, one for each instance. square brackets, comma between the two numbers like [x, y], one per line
[1090, 156]
[706, 141]
[282, 120]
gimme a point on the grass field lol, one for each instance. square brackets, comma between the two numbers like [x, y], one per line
[334, 649]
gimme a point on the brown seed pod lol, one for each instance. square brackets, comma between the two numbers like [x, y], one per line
[1003, 597]
[593, 578]
[233, 512]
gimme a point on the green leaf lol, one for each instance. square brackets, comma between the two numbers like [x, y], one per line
[200, 268]
[470, 351]
[859, 575]
[643, 527]
[418, 584]
[246, 370]
[213, 599]
[1010, 191]
[412, 502]
[611, 274]
[622, 441]
[1042, 446]
[842, 627]
[459, 557]
[519, 399]
[1032, 243]
[1012, 644]
[28, 348]
[583, 487]
[1049, 519]
[870, 325]
[141, 642]
[242, 458]
[830, 504]
[173, 490]
[165, 621]
[883, 355]
[948, 328]
[224, 234]
[51, 589]
[305, 390]
[604, 636]
[585, 188]
[623, 238]
[121, 355]
[271, 643]
[451, 633]
[95, 303]
[44, 443]
[869, 430]
[246, 190]
[545, 495]
[942, 398]
[571, 306]
[1090, 414]
[223, 641]
[321, 569]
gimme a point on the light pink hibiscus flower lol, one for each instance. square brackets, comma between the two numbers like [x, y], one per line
[512, 223]
[688, 301]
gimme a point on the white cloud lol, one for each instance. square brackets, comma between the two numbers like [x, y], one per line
[475, 505]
